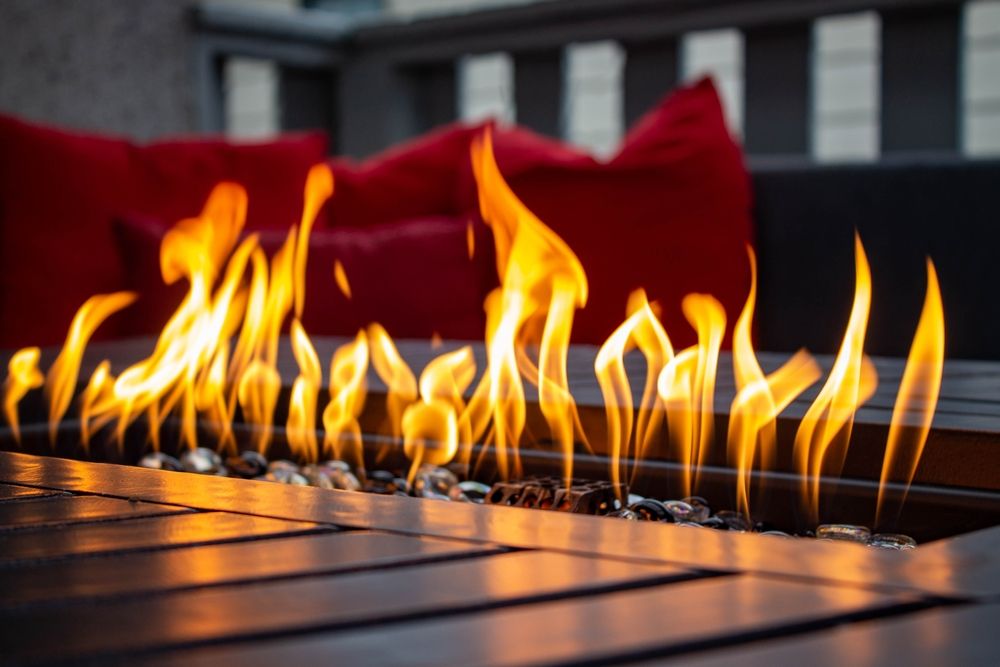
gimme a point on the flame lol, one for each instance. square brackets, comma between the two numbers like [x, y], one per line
[825, 431]
[60, 382]
[676, 390]
[400, 383]
[340, 277]
[22, 376]
[348, 368]
[641, 329]
[98, 388]
[542, 283]
[759, 398]
[301, 426]
[470, 239]
[431, 429]
[708, 318]
[319, 188]
[918, 394]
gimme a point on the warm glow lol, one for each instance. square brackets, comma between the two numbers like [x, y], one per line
[98, 388]
[470, 239]
[340, 277]
[347, 398]
[708, 318]
[430, 427]
[401, 385]
[22, 376]
[825, 431]
[759, 399]
[301, 425]
[542, 284]
[918, 394]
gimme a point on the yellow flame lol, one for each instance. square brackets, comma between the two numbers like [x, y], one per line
[431, 430]
[22, 376]
[348, 369]
[542, 283]
[301, 425]
[60, 382]
[708, 318]
[319, 188]
[918, 394]
[470, 239]
[825, 431]
[390, 367]
[340, 277]
[641, 329]
[676, 390]
[258, 392]
[98, 388]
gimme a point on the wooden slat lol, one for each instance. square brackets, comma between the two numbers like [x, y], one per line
[65, 582]
[962, 636]
[776, 72]
[920, 79]
[539, 90]
[315, 602]
[14, 492]
[18, 547]
[651, 70]
[55, 511]
[661, 619]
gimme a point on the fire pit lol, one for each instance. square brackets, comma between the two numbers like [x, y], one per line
[509, 445]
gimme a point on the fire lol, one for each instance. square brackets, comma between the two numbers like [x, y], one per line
[22, 376]
[431, 430]
[542, 283]
[918, 394]
[215, 363]
[759, 398]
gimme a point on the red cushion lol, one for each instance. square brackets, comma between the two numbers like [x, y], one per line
[670, 212]
[60, 191]
[414, 277]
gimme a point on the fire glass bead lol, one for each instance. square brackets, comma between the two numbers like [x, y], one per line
[776, 533]
[160, 461]
[382, 482]
[434, 482]
[285, 476]
[634, 498]
[650, 509]
[625, 514]
[714, 522]
[894, 541]
[701, 509]
[282, 464]
[470, 491]
[248, 464]
[845, 532]
[735, 521]
[680, 510]
[201, 460]
[344, 480]
[318, 476]
[335, 464]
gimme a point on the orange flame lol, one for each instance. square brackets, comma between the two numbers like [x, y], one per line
[22, 376]
[340, 277]
[825, 431]
[542, 283]
[400, 383]
[98, 388]
[348, 369]
[708, 318]
[431, 430]
[301, 426]
[918, 394]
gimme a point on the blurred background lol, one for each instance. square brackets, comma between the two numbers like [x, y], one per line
[138, 69]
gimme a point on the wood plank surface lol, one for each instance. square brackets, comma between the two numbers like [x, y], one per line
[15, 492]
[24, 547]
[56, 510]
[951, 636]
[267, 608]
[145, 573]
[595, 630]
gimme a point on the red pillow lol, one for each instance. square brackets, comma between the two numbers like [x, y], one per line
[60, 191]
[414, 277]
[670, 212]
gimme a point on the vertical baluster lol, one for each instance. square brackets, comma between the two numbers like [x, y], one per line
[776, 69]
[306, 99]
[651, 69]
[539, 90]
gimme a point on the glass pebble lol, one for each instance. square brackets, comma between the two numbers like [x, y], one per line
[434, 482]
[160, 461]
[336, 464]
[344, 480]
[625, 514]
[634, 498]
[776, 533]
[714, 522]
[701, 509]
[689, 524]
[735, 521]
[282, 464]
[650, 509]
[201, 460]
[248, 464]
[845, 532]
[473, 491]
[382, 482]
[284, 476]
[680, 510]
[318, 476]
[894, 541]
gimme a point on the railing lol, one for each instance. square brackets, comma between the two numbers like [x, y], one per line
[375, 83]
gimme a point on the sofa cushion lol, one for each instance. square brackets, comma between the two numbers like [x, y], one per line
[60, 192]
[415, 277]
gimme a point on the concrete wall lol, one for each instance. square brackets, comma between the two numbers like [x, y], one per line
[108, 65]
